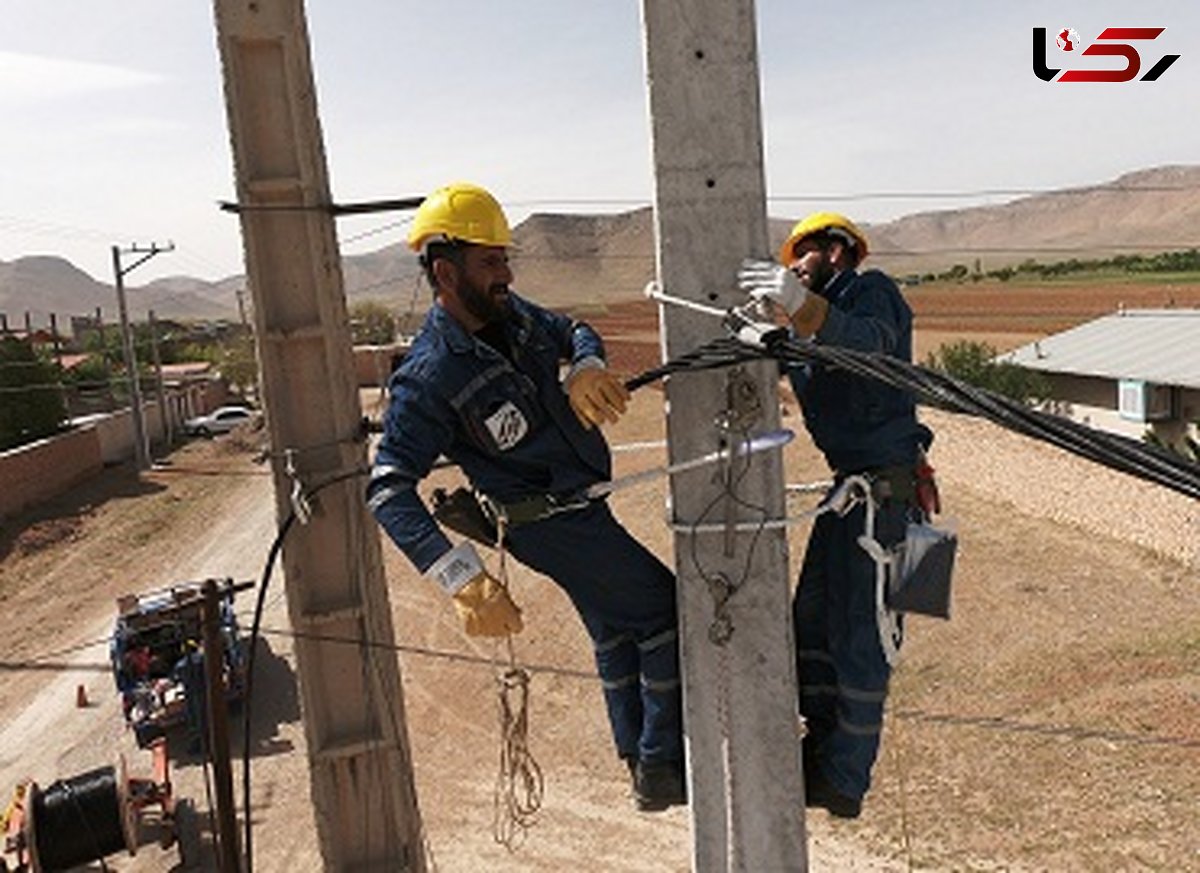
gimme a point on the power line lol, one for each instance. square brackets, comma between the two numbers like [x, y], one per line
[375, 231]
[928, 194]
[982, 192]
[46, 662]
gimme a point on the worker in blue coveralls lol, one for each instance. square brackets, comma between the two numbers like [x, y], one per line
[481, 385]
[865, 427]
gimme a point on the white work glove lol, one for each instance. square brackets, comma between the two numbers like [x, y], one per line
[768, 281]
[748, 325]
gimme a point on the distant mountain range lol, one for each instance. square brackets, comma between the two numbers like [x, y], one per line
[588, 260]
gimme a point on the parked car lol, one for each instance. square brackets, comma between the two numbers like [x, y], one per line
[221, 420]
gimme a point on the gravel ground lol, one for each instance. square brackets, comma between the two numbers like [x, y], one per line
[1044, 481]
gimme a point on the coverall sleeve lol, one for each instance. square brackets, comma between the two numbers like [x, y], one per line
[416, 430]
[575, 340]
[873, 323]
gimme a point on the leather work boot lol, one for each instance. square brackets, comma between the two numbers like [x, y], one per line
[658, 785]
[818, 792]
[632, 764]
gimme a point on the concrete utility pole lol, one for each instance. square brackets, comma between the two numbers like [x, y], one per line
[241, 301]
[140, 448]
[57, 339]
[738, 666]
[360, 766]
[160, 390]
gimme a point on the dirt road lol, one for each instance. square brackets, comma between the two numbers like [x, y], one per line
[211, 514]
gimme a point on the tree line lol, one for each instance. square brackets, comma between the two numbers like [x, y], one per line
[1185, 261]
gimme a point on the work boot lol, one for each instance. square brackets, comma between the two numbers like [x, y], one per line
[820, 793]
[631, 763]
[658, 785]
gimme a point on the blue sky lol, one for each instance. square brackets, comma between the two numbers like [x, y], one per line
[114, 125]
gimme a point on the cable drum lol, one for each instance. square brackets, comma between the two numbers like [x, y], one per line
[78, 820]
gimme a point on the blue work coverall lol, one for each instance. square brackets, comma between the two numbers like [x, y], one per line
[509, 426]
[861, 426]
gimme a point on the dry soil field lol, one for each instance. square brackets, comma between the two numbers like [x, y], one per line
[1052, 724]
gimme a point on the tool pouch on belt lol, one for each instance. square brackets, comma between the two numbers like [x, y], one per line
[461, 511]
[921, 581]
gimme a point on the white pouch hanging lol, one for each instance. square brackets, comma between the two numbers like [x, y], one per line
[921, 581]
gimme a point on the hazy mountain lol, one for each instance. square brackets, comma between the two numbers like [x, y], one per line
[43, 284]
[1145, 211]
[582, 260]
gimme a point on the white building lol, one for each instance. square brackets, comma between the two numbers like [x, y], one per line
[1129, 372]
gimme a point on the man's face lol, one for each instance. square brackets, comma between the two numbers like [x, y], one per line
[813, 264]
[483, 283]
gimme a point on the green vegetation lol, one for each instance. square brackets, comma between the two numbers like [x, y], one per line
[1178, 266]
[372, 323]
[31, 400]
[973, 363]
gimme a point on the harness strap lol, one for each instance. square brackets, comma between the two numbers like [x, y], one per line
[891, 483]
[533, 508]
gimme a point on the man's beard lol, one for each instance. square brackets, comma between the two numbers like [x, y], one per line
[820, 275]
[485, 304]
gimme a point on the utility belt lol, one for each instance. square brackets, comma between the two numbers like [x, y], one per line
[907, 483]
[533, 508]
[477, 516]
[894, 483]
[887, 483]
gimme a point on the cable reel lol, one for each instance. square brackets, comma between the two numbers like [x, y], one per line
[85, 818]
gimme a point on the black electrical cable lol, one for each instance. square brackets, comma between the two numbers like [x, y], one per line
[259, 605]
[78, 820]
[940, 390]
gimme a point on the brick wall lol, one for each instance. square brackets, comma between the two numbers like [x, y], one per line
[373, 364]
[34, 473]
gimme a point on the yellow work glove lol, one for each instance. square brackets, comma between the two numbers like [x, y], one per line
[486, 609]
[596, 395]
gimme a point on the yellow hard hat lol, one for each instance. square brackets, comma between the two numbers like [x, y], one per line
[460, 211]
[833, 222]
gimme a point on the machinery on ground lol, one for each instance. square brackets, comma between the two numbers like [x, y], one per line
[82, 819]
[157, 652]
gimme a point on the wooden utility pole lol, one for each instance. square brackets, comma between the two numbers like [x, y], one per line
[217, 735]
[740, 703]
[360, 767]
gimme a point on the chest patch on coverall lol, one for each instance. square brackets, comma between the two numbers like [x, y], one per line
[507, 426]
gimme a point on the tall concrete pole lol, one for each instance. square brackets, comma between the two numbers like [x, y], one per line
[141, 451]
[738, 664]
[360, 767]
[241, 302]
[160, 391]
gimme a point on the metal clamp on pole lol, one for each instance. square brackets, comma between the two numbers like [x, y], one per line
[745, 323]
